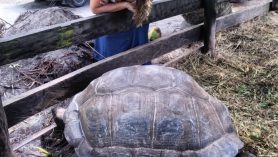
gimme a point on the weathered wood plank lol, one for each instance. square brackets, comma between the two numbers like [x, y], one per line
[5, 150]
[274, 5]
[34, 136]
[58, 36]
[210, 26]
[35, 100]
[197, 16]
[243, 15]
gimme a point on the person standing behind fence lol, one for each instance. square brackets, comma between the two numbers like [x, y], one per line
[109, 45]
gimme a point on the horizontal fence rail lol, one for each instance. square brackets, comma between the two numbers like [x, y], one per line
[66, 34]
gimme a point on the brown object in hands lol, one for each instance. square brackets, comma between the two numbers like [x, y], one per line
[5, 149]
[143, 7]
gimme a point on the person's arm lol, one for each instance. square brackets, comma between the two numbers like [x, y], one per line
[98, 7]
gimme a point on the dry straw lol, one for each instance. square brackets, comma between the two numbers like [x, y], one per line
[246, 79]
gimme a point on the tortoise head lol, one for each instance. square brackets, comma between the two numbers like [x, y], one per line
[143, 11]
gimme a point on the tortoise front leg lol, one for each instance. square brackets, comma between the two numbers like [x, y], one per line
[5, 149]
[209, 27]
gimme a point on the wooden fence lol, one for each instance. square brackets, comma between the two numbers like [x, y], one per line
[58, 36]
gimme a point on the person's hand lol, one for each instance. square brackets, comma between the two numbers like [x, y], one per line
[131, 7]
[103, 2]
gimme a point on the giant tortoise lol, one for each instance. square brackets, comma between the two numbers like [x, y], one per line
[149, 111]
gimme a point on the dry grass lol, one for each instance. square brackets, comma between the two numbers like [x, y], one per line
[247, 79]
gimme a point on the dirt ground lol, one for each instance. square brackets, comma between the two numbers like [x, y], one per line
[23, 75]
[31, 20]
[246, 79]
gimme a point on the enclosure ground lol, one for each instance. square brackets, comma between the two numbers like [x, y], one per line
[246, 78]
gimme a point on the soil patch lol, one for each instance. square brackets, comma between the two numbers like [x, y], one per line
[23, 75]
[32, 20]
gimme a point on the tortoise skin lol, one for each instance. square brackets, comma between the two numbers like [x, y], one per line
[149, 111]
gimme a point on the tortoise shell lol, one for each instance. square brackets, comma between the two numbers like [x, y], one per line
[149, 111]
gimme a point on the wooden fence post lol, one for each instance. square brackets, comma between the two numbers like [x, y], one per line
[197, 16]
[209, 30]
[274, 5]
[5, 150]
